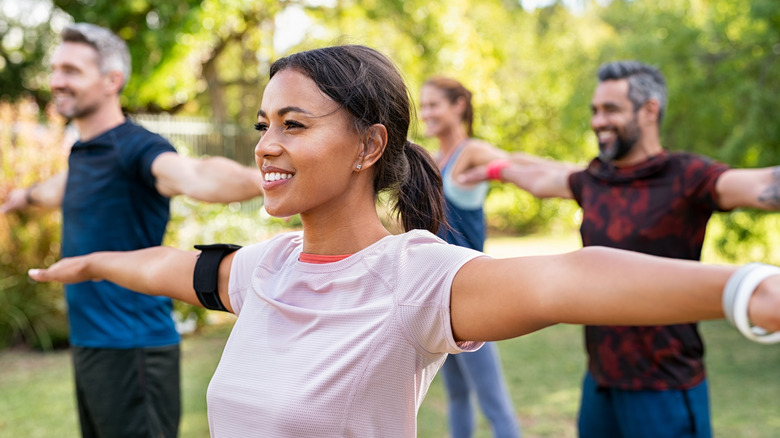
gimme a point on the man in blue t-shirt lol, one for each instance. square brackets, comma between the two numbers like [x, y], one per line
[642, 381]
[115, 197]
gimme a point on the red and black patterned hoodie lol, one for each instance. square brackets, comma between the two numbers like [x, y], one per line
[659, 207]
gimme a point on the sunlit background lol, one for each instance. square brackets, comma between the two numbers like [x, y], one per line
[200, 66]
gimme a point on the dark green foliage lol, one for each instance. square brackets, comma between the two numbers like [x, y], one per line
[532, 74]
[30, 313]
[721, 59]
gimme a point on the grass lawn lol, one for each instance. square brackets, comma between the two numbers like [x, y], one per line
[543, 371]
[37, 399]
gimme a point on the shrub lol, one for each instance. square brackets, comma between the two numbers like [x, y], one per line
[31, 149]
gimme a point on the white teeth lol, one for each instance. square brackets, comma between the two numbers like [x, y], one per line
[276, 176]
[605, 135]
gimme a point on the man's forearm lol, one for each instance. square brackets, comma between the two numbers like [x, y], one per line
[224, 180]
[48, 193]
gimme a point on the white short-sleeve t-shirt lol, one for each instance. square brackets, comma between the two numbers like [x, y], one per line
[342, 349]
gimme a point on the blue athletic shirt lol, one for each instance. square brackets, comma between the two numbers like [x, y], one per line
[463, 209]
[111, 204]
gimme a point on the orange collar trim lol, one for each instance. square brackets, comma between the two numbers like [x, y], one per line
[321, 259]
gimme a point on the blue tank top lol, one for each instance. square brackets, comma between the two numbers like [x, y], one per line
[111, 204]
[463, 209]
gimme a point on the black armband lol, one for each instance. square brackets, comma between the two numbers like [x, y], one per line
[205, 278]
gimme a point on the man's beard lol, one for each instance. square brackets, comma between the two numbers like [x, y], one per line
[77, 110]
[623, 144]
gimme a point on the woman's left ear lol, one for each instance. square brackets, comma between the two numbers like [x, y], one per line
[374, 145]
[460, 104]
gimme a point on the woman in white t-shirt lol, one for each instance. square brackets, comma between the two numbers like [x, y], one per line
[341, 327]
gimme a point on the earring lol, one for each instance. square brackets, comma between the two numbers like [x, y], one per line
[358, 166]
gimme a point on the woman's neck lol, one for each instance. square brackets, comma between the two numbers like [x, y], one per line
[342, 231]
[448, 142]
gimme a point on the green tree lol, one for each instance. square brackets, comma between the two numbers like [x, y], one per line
[205, 57]
[721, 61]
[532, 74]
[25, 36]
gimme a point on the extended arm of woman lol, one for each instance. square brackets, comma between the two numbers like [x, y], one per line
[157, 270]
[496, 299]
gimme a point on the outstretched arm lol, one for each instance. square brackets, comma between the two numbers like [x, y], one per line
[157, 270]
[212, 179]
[47, 193]
[540, 177]
[496, 299]
[757, 188]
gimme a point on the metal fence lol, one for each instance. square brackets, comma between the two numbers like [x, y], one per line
[198, 136]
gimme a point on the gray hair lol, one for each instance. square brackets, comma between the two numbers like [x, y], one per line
[112, 51]
[644, 82]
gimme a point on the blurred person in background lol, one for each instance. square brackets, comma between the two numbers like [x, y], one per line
[642, 381]
[448, 114]
[115, 196]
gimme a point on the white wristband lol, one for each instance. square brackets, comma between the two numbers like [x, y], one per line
[736, 295]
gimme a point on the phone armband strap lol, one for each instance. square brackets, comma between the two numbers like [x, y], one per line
[205, 278]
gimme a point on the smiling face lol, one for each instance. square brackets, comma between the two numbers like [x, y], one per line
[78, 87]
[309, 148]
[614, 120]
[439, 114]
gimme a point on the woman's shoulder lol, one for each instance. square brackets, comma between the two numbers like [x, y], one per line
[277, 249]
[477, 145]
[283, 239]
[476, 151]
[425, 267]
[421, 246]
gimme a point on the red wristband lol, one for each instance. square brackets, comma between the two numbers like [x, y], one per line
[494, 169]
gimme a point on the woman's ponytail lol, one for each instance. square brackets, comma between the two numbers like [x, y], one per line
[419, 199]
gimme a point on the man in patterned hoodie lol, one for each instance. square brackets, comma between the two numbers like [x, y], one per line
[642, 381]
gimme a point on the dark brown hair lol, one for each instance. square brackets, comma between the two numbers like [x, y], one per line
[369, 87]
